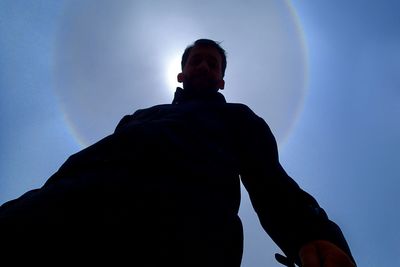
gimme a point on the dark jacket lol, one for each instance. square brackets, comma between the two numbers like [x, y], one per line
[168, 181]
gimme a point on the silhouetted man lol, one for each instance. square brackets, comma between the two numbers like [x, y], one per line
[164, 188]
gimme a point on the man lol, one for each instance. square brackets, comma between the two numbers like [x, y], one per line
[167, 182]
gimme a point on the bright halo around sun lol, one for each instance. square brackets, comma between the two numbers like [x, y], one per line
[173, 67]
[106, 69]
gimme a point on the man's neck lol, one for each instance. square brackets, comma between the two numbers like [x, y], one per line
[182, 95]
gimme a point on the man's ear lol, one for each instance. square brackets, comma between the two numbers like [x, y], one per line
[221, 84]
[180, 77]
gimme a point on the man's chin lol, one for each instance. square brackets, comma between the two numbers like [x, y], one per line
[201, 87]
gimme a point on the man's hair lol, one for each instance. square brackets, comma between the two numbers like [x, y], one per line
[205, 42]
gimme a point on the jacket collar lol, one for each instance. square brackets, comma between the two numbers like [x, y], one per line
[182, 96]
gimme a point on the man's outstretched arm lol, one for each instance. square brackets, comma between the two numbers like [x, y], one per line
[291, 216]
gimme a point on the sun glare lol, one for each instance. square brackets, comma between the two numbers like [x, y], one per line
[173, 67]
[148, 45]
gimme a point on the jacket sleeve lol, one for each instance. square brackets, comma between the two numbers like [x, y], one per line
[289, 215]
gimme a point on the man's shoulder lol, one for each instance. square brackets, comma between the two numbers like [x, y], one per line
[240, 109]
[239, 106]
[151, 109]
[144, 113]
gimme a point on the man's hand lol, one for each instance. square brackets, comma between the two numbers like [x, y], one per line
[321, 253]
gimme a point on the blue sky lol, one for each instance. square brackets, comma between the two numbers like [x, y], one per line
[338, 130]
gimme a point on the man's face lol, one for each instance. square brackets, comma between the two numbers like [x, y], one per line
[203, 70]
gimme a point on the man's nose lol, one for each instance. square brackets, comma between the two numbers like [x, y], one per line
[203, 66]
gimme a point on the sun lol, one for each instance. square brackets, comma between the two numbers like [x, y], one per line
[173, 67]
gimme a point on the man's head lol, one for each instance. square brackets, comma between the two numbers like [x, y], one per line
[203, 67]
